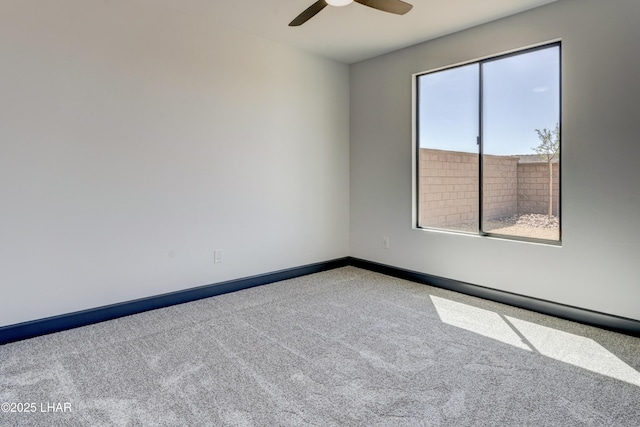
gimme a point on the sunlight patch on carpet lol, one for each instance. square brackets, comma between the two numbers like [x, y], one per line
[563, 346]
[477, 320]
[576, 350]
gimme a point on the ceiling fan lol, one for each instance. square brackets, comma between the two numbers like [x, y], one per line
[392, 6]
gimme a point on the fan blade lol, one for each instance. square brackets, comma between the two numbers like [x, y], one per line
[392, 6]
[309, 13]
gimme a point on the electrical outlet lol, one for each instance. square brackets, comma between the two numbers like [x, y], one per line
[385, 242]
[217, 255]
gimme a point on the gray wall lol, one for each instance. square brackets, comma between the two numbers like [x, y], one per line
[135, 139]
[597, 265]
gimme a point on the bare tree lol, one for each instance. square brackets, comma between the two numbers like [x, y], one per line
[549, 149]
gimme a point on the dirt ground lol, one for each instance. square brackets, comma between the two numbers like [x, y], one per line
[526, 231]
[534, 226]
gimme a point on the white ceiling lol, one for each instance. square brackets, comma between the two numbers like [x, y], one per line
[355, 32]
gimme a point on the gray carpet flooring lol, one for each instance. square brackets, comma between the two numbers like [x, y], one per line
[346, 347]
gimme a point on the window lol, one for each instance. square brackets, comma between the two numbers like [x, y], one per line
[488, 146]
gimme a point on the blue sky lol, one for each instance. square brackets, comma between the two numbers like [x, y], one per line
[520, 94]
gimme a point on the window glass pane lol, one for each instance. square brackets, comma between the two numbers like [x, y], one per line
[448, 183]
[521, 152]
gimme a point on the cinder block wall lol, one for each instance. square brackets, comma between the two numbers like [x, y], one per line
[449, 187]
[499, 186]
[533, 188]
